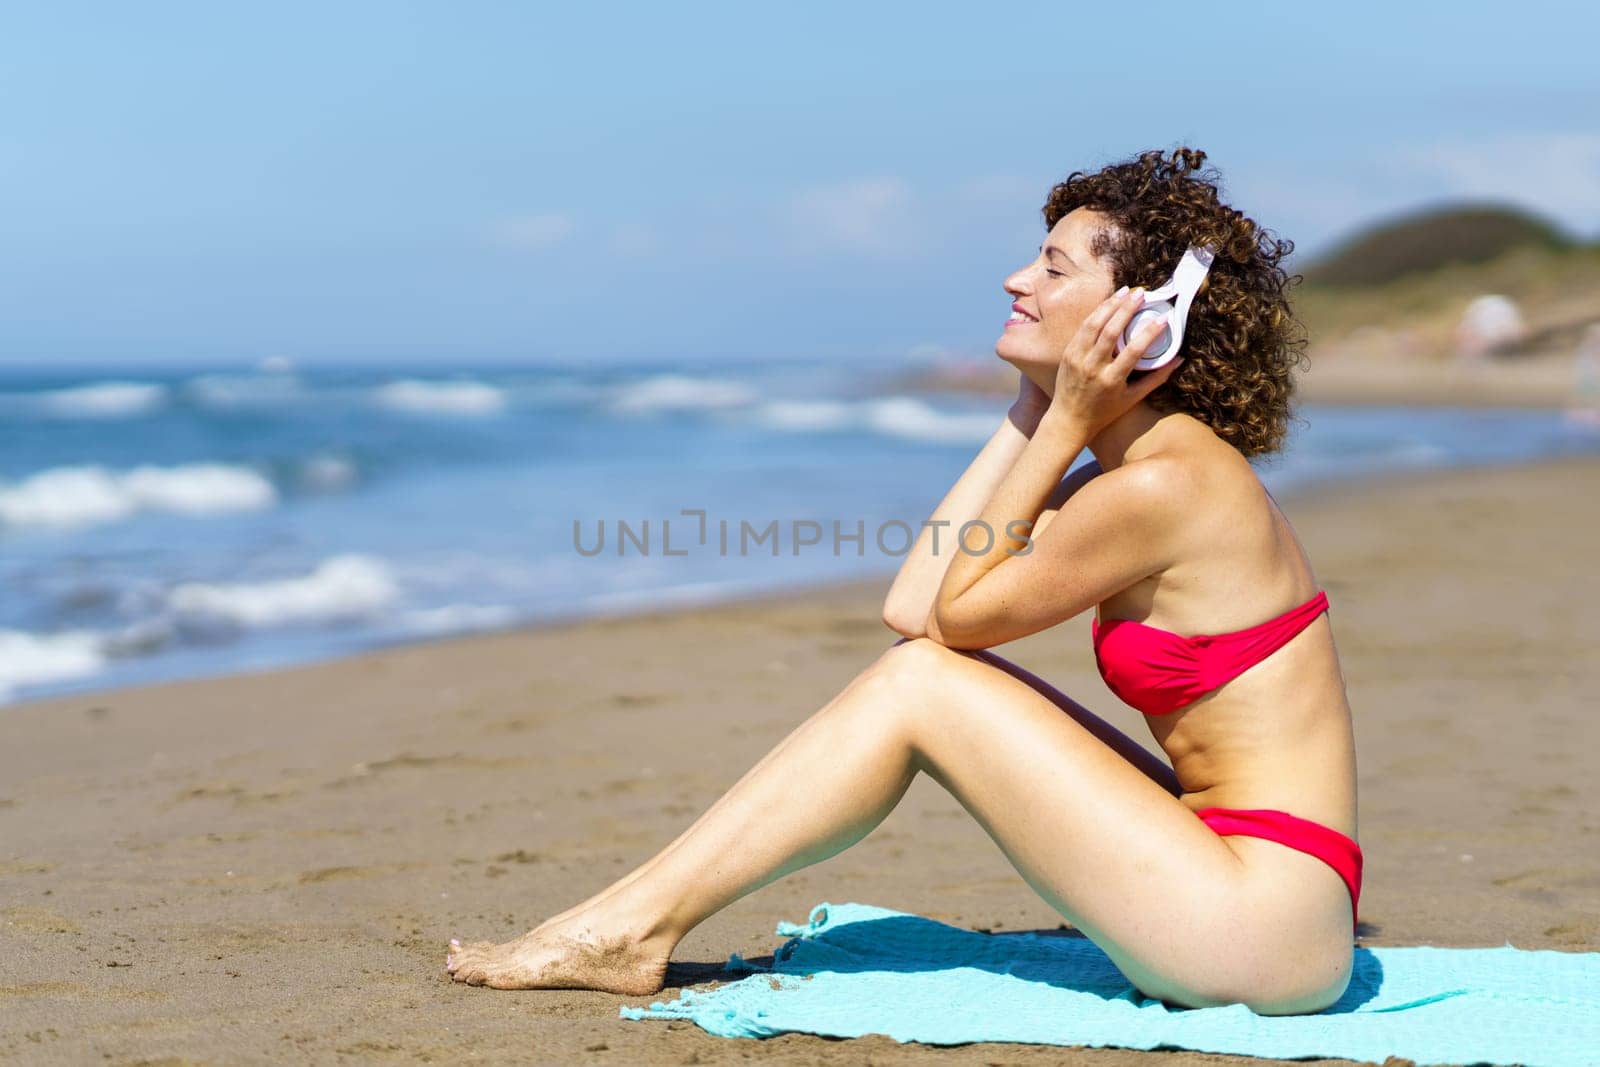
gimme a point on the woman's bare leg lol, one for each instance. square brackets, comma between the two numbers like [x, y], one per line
[823, 788]
[1111, 849]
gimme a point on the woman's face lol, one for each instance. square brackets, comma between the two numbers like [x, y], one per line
[1054, 293]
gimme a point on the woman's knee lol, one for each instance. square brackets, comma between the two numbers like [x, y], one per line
[917, 659]
[916, 663]
[906, 678]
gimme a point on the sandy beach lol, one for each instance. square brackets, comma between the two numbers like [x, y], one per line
[266, 868]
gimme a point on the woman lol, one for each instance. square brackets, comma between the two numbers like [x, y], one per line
[1231, 876]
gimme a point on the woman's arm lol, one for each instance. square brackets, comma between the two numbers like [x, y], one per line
[1124, 529]
[910, 599]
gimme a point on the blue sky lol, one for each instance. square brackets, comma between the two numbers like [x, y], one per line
[469, 182]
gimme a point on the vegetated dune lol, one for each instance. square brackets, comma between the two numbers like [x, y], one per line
[1382, 311]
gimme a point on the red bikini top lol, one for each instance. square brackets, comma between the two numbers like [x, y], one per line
[1158, 671]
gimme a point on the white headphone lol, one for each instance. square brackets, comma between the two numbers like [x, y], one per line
[1170, 304]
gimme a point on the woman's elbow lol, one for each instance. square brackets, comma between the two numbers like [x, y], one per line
[946, 630]
[904, 623]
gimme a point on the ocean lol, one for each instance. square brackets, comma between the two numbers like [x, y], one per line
[199, 522]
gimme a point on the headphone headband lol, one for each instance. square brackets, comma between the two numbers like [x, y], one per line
[1170, 303]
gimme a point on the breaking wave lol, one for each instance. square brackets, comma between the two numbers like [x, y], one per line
[441, 398]
[75, 496]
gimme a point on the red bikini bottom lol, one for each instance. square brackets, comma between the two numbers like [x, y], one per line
[1312, 838]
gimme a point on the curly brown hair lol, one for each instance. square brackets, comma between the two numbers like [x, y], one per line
[1242, 340]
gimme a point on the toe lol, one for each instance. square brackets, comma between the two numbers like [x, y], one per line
[462, 959]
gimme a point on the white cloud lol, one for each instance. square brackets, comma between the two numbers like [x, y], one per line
[533, 231]
[871, 216]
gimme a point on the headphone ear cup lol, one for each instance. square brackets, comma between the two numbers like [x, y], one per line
[1161, 310]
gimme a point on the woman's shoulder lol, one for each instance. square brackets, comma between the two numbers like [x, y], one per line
[1215, 494]
[1205, 465]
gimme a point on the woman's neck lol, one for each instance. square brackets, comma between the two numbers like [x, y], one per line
[1133, 435]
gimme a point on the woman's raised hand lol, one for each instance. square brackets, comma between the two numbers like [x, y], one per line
[1092, 388]
[1030, 405]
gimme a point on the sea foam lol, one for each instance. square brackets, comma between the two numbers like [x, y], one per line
[347, 587]
[676, 392]
[232, 391]
[892, 416]
[458, 618]
[103, 400]
[327, 473]
[74, 496]
[441, 398]
[808, 414]
[907, 417]
[30, 659]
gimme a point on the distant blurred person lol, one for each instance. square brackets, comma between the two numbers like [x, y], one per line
[1584, 408]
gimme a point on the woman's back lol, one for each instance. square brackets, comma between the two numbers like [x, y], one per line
[1277, 735]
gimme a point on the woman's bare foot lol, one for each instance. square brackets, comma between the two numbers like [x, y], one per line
[567, 955]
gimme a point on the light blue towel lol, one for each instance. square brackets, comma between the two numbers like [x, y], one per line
[856, 969]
